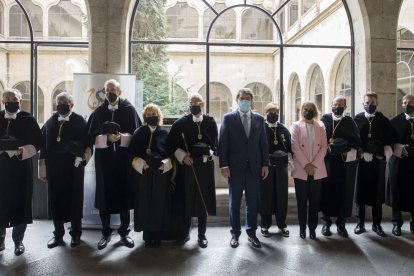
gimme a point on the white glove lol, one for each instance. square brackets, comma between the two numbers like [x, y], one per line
[78, 160]
[367, 156]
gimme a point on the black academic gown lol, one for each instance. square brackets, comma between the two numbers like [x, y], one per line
[274, 189]
[186, 184]
[152, 189]
[337, 189]
[64, 179]
[370, 186]
[400, 186]
[16, 176]
[113, 164]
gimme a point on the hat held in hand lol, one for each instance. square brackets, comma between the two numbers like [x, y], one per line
[278, 158]
[339, 146]
[110, 127]
[9, 143]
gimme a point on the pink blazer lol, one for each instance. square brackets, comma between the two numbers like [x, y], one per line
[300, 150]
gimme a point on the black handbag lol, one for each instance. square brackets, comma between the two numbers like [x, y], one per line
[9, 143]
[110, 127]
[278, 158]
[339, 146]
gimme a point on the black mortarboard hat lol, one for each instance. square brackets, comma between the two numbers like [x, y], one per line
[339, 146]
[109, 127]
[375, 147]
[199, 149]
[278, 158]
[9, 143]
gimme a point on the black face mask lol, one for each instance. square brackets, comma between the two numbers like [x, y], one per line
[195, 109]
[112, 97]
[408, 109]
[309, 114]
[272, 118]
[152, 120]
[338, 111]
[370, 109]
[12, 107]
[63, 109]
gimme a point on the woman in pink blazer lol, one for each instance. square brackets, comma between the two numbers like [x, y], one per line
[309, 146]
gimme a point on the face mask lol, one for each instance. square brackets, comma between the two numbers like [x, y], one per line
[12, 107]
[309, 114]
[338, 111]
[245, 105]
[112, 97]
[370, 109]
[195, 109]
[152, 120]
[272, 118]
[63, 109]
[408, 109]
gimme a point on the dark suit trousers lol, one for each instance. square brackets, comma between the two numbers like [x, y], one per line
[17, 234]
[106, 221]
[250, 183]
[76, 226]
[308, 191]
[397, 219]
[360, 214]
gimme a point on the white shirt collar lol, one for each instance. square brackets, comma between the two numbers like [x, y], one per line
[408, 117]
[272, 125]
[152, 128]
[112, 107]
[11, 116]
[336, 118]
[198, 119]
[367, 115]
[66, 119]
[248, 113]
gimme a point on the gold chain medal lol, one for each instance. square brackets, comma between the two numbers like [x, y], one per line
[60, 130]
[275, 142]
[148, 151]
[331, 140]
[199, 135]
[370, 126]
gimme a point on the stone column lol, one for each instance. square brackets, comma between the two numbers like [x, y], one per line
[108, 37]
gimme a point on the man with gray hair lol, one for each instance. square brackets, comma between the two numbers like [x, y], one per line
[20, 139]
[400, 188]
[63, 155]
[193, 141]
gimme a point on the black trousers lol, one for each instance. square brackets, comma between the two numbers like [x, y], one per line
[308, 191]
[340, 220]
[360, 214]
[17, 234]
[106, 223]
[76, 228]
[266, 221]
[397, 219]
[202, 226]
[152, 236]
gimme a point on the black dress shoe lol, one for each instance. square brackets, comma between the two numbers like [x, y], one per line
[104, 242]
[378, 229]
[342, 232]
[254, 241]
[265, 232]
[53, 242]
[234, 242]
[202, 241]
[127, 241]
[302, 234]
[75, 241]
[19, 249]
[312, 234]
[326, 231]
[285, 232]
[359, 229]
[182, 241]
[396, 230]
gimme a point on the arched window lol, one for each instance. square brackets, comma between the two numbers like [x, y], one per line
[343, 80]
[182, 21]
[63, 86]
[65, 20]
[296, 93]
[24, 88]
[220, 100]
[262, 96]
[256, 25]
[317, 88]
[1, 18]
[225, 25]
[18, 25]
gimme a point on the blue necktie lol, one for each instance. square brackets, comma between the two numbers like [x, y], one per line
[246, 125]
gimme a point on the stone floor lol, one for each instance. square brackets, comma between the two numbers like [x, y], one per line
[366, 254]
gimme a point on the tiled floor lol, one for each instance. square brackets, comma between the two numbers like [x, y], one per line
[366, 254]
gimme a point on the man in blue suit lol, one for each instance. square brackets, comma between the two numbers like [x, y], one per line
[243, 153]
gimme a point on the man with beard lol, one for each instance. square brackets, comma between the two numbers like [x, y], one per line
[20, 139]
[377, 136]
[400, 188]
[110, 128]
[338, 188]
[61, 164]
